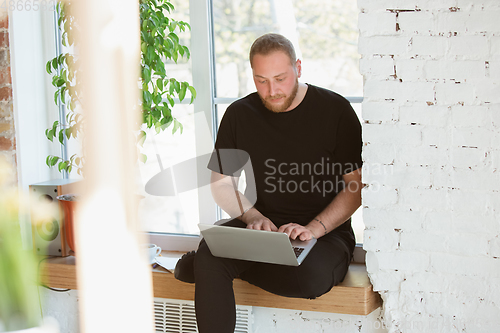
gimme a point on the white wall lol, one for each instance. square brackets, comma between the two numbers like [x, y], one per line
[432, 125]
[63, 306]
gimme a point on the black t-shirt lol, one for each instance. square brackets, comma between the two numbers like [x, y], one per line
[298, 157]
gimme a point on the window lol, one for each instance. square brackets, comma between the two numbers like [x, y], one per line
[324, 33]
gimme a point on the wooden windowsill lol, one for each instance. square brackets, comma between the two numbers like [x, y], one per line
[353, 296]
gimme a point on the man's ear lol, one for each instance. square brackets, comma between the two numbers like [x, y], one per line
[298, 66]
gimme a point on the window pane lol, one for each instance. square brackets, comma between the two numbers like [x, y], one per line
[173, 213]
[178, 213]
[324, 33]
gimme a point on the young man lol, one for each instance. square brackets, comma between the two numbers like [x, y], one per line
[305, 147]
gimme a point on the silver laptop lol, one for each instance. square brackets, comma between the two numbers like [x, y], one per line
[255, 245]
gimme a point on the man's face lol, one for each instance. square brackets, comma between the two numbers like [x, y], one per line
[276, 80]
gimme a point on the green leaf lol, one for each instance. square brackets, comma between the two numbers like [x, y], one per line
[141, 138]
[186, 51]
[61, 136]
[146, 75]
[48, 67]
[53, 160]
[63, 95]
[160, 68]
[177, 125]
[60, 82]
[61, 166]
[50, 133]
[173, 36]
[193, 93]
[165, 111]
[157, 98]
[168, 45]
[60, 59]
[182, 92]
[159, 84]
[54, 63]
[168, 6]
[64, 38]
[158, 127]
[170, 100]
[150, 54]
[147, 97]
[143, 158]
[149, 121]
[56, 96]
[165, 122]
[156, 113]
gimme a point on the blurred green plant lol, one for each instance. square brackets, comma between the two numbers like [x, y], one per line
[159, 43]
[18, 267]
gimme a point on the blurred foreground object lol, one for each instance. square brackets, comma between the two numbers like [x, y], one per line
[19, 304]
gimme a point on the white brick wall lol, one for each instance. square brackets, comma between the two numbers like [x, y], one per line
[432, 161]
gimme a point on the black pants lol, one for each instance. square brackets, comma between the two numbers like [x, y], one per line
[324, 267]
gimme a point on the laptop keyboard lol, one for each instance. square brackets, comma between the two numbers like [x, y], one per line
[298, 251]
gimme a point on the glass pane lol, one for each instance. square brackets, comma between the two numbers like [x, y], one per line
[178, 213]
[173, 213]
[324, 33]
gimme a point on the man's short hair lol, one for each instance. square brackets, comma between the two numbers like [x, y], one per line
[271, 42]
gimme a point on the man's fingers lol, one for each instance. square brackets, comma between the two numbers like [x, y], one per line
[295, 231]
[305, 236]
[269, 226]
[266, 225]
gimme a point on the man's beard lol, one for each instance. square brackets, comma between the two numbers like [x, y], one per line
[286, 104]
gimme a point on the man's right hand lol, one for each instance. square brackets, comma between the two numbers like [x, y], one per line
[255, 220]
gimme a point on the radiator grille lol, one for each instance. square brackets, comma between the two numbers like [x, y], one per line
[178, 316]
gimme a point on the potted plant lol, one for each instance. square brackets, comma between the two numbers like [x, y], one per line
[19, 304]
[159, 43]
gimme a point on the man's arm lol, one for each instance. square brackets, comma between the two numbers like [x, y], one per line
[226, 195]
[337, 212]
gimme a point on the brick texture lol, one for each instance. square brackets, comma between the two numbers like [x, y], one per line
[7, 133]
[431, 156]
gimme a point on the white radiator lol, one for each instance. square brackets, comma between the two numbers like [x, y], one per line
[178, 316]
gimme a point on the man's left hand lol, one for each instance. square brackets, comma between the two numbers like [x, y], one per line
[296, 231]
